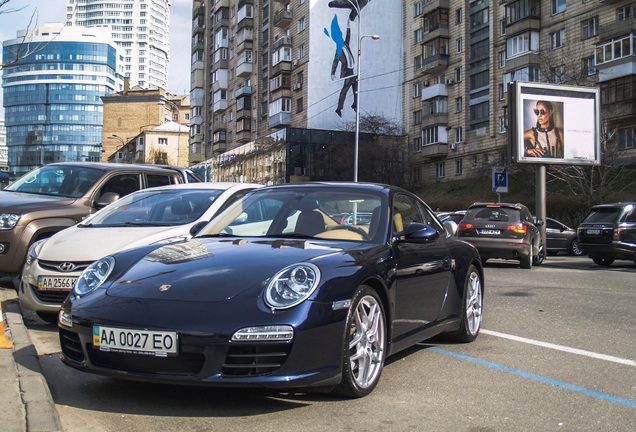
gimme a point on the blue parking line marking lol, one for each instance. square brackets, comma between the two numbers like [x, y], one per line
[582, 390]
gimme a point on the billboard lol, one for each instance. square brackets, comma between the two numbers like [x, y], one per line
[554, 124]
[341, 35]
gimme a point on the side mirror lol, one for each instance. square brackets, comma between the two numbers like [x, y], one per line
[539, 222]
[451, 227]
[107, 198]
[418, 231]
[197, 227]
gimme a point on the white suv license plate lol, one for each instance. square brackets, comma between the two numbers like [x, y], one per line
[147, 342]
[593, 231]
[55, 283]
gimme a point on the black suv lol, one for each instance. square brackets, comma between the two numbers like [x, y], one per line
[608, 233]
[56, 196]
[503, 230]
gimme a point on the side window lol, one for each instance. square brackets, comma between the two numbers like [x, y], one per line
[155, 180]
[405, 211]
[231, 200]
[122, 184]
[631, 215]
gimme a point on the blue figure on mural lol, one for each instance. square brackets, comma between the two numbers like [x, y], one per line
[343, 58]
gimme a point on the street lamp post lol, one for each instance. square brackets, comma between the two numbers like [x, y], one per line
[356, 150]
[120, 139]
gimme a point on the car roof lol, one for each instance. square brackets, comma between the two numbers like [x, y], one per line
[105, 166]
[618, 205]
[204, 185]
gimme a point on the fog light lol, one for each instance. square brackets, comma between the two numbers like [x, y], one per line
[2, 248]
[264, 333]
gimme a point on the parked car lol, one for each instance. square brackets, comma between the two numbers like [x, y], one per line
[156, 215]
[456, 216]
[608, 233]
[59, 195]
[503, 230]
[275, 293]
[561, 238]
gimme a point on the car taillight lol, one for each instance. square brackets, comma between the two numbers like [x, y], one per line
[518, 228]
[617, 234]
[463, 226]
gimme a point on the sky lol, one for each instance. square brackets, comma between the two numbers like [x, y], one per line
[55, 11]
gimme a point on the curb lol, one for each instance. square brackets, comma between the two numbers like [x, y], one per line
[40, 412]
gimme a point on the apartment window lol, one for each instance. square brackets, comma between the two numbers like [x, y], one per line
[558, 6]
[280, 105]
[301, 51]
[589, 28]
[529, 73]
[458, 16]
[438, 105]
[300, 105]
[626, 138]
[418, 8]
[440, 169]
[458, 104]
[460, 46]
[502, 59]
[557, 39]
[301, 24]
[558, 74]
[625, 12]
[419, 62]
[436, 47]
[522, 44]
[502, 124]
[502, 27]
[417, 144]
[418, 35]
[163, 141]
[588, 67]
[417, 89]
[458, 74]
[479, 114]
[473, 162]
[430, 135]
[417, 117]
[459, 135]
[458, 167]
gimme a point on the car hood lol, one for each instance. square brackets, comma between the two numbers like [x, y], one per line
[20, 202]
[212, 270]
[89, 244]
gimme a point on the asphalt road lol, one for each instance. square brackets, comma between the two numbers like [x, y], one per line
[557, 352]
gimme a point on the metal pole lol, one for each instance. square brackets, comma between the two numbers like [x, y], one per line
[357, 102]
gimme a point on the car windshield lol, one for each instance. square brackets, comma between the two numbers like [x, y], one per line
[603, 215]
[305, 212]
[155, 208]
[56, 180]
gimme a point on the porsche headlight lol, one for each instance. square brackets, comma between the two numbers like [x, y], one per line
[94, 275]
[292, 285]
[9, 220]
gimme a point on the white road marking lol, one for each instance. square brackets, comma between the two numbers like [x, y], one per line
[561, 348]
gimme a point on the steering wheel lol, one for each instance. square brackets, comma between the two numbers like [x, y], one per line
[351, 228]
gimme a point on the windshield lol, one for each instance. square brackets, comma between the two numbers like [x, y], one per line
[306, 212]
[56, 180]
[156, 208]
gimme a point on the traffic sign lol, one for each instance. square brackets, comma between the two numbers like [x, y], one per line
[499, 180]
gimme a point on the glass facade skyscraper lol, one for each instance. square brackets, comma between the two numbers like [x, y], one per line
[52, 88]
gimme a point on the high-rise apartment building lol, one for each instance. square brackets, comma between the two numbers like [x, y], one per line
[440, 67]
[139, 27]
[52, 88]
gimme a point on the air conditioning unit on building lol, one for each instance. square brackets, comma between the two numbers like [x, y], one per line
[427, 83]
[453, 146]
[295, 63]
[298, 86]
[450, 81]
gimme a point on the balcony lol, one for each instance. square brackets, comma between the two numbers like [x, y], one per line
[243, 91]
[615, 59]
[282, 18]
[431, 5]
[531, 23]
[282, 66]
[529, 58]
[282, 41]
[219, 126]
[439, 32]
[617, 30]
[433, 91]
[198, 11]
[220, 105]
[435, 64]
[243, 136]
[244, 69]
[218, 4]
[280, 120]
[223, 22]
[219, 137]
[433, 151]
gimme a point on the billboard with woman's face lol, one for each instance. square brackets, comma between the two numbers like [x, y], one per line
[554, 124]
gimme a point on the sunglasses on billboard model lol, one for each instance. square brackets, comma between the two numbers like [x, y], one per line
[542, 111]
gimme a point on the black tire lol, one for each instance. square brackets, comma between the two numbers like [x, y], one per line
[49, 317]
[603, 261]
[471, 308]
[526, 262]
[364, 347]
[575, 250]
[538, 260]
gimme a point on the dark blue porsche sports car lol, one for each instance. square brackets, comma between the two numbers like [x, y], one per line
[276, 292]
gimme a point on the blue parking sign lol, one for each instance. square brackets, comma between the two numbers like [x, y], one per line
[499, 179]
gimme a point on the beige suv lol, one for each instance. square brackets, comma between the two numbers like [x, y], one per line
[57, 196]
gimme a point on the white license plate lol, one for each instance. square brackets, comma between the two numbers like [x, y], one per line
[594, 231]
[148, 342]
[490, 232]
[55, 283]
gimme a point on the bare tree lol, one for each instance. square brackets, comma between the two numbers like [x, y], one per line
[25, 47]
